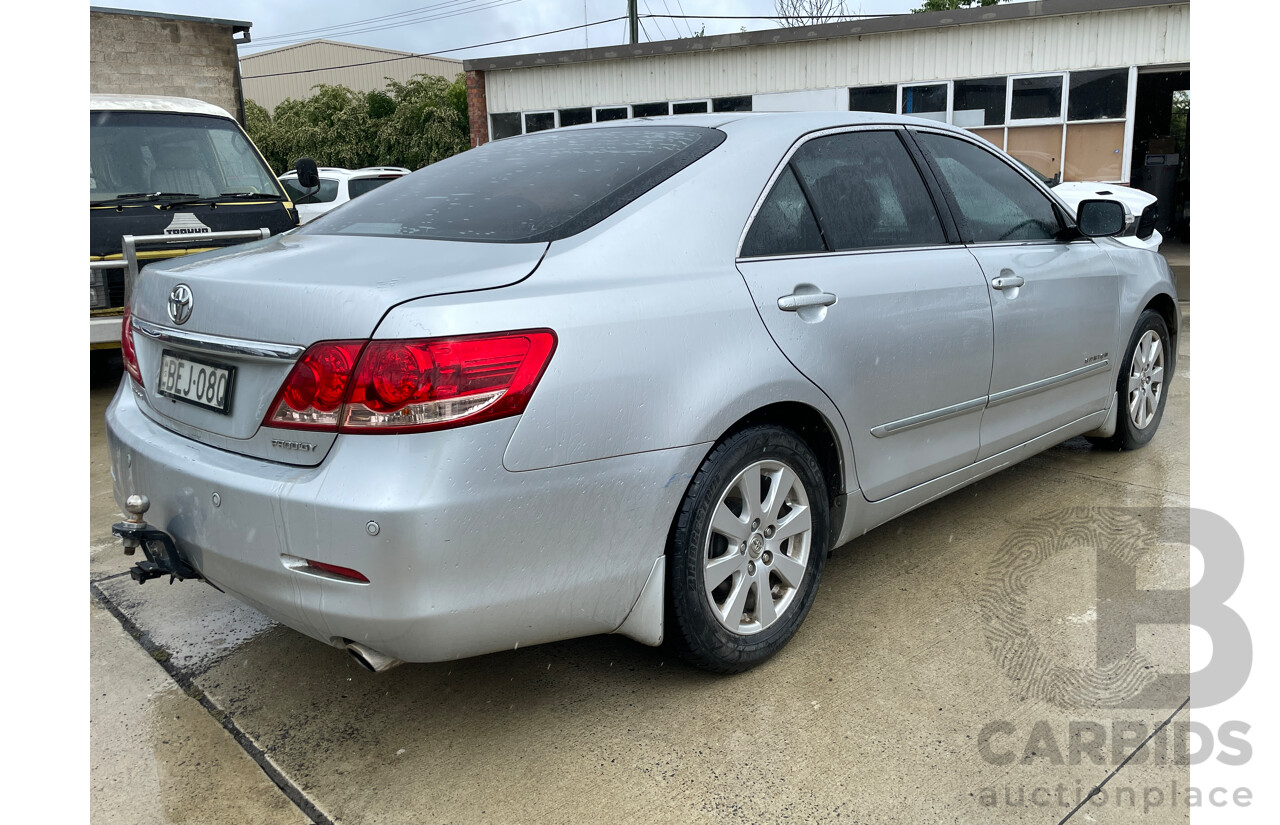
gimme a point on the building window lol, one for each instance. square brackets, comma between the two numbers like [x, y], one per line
[604, 113]
[979, 102]
[731, 104]
[882, 99]
[539, 121]
[503, 125]
[1037, 98]
[927, 101]
[575, 117]
[1098, 95]
[691, 107]
[650, 109]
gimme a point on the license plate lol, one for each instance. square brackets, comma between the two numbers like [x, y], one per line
[202, 383]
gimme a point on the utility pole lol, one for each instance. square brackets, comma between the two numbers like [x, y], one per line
[633, 21]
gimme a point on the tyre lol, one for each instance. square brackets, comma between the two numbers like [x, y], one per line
[1141, 387]
[747, 550]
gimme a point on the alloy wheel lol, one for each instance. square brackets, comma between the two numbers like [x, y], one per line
[757, 548]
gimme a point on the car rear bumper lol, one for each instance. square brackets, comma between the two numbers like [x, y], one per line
[463, 557]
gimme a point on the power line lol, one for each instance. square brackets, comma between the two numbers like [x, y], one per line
[688, 31]
[433, 53]
[649, 13]
[680, 6]
[383, 17]
[489, 4]
[773, 17]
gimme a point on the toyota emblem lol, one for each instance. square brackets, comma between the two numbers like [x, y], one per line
[180, 301]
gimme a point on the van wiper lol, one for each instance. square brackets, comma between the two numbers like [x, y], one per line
[142, 197]
[200, 200]
[251, 196]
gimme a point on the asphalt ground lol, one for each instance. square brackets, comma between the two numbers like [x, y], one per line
[928, 684]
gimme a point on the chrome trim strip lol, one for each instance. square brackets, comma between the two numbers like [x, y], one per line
[216, 343]
[1005, 396]
[927, 418]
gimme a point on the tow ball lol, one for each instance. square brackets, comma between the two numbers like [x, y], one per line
[157, 545]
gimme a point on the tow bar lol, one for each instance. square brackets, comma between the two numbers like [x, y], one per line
[157, 545]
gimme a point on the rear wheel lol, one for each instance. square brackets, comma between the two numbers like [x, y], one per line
[1140, 390]
[748, 550]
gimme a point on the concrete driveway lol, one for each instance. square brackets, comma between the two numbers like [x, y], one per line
[929, 684]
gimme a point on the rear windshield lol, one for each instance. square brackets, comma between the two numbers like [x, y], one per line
[536, 188]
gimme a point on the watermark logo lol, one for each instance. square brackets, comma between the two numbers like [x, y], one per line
[1120, 540]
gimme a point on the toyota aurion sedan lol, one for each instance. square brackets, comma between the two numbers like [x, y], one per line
[633, 378]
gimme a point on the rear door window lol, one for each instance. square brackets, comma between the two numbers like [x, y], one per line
[359, 186]
[529, 189]
[867, 192]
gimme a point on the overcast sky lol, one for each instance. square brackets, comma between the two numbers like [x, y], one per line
[439, 25]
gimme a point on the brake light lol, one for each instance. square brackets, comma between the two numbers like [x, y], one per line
[414, 385]
[127, 351]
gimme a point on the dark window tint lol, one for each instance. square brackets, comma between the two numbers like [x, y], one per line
[649, 109]
[539, 187]
[359, 186]
[539, 121]
[1098, 95]
[1037, 97]
[504, 125]
[995, 202]
[326, 194]
[692, 107]
[575, 117]
[785, 224]
[611, 113]
[979, 102]
[882, 99]
[867, 191]
[731, 104]
[924, 100]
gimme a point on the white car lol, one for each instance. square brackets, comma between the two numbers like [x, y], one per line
[337, 186]
[1140, 222]
[1140, 229]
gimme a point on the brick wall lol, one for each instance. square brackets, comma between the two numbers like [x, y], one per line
[132, 54]
[477, 108]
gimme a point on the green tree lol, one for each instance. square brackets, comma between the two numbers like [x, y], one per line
[429, 122]
[407, 124]
[951, 5]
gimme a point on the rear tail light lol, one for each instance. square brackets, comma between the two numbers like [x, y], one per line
[128, 353]
[412, 386]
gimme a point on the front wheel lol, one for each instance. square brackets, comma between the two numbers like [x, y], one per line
[1141, 390]
[747, 550]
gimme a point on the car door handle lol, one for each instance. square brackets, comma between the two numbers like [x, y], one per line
[800, 300]
[1007, 282]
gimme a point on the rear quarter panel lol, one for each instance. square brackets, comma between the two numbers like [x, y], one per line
[659, 342]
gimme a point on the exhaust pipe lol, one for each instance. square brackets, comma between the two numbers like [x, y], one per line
[371, 660]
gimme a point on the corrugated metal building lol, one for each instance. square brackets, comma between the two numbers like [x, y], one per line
[271, 76]
[1075, 88]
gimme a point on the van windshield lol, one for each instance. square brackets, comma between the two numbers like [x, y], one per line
[144, 153]
[530, 189]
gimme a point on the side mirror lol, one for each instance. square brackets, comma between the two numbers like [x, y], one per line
[1101, 218]
[308, 174]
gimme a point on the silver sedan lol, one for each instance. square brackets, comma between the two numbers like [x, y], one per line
[634, 378]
